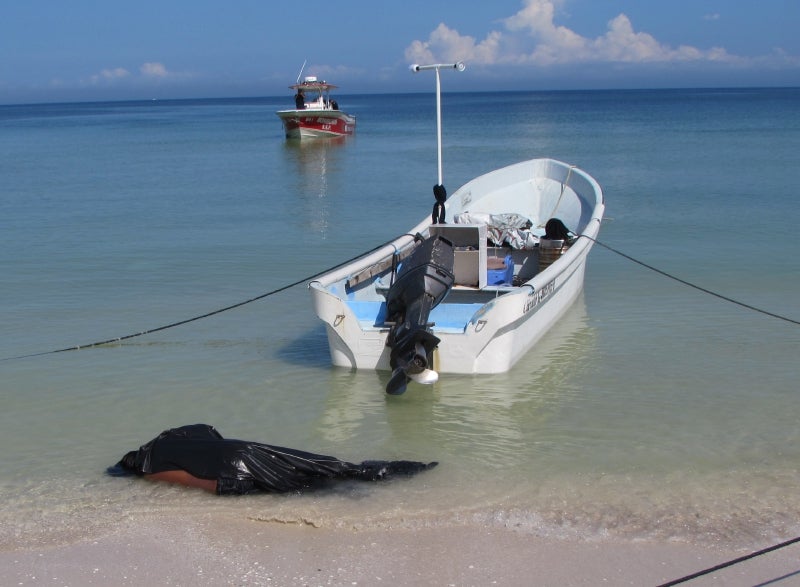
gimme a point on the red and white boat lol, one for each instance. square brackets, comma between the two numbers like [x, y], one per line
[315, 114]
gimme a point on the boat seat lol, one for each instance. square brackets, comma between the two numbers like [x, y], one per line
[446, 317]
[368, 313]
[453, 317]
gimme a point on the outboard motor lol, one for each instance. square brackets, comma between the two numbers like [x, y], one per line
[423, 281]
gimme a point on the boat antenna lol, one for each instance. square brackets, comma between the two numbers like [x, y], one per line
[438, 190]
[301, 71]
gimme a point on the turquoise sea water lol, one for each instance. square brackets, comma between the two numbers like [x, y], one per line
[653, 410]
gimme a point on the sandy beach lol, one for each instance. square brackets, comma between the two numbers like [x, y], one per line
[210, 550]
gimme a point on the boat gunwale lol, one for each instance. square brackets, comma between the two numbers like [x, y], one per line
[590, 230]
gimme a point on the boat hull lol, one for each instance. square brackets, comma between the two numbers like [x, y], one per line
[305, 124]
[482, 328]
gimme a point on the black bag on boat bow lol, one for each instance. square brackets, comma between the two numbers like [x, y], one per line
[556, 230]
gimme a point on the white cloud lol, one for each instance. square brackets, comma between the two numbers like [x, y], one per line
[445, 44]
[531, 36]
[110, 75]
[621, 43]
[148, 73]
[154, 70]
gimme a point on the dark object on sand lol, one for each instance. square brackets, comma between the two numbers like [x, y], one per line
[198, 456]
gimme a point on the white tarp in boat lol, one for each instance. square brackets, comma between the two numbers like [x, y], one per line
[511, 229]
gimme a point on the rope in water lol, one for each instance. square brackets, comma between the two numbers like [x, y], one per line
[314, 276]
[195, 318]
[689, 284]
[730, 563]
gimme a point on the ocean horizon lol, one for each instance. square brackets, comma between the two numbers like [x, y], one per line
[346, 95]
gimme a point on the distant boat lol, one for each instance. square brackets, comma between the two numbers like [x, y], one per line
[472, 296]
[316, 114]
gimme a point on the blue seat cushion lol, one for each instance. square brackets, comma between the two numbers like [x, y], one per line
[444, 316]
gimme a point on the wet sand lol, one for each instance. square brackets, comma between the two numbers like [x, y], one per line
[211, 549]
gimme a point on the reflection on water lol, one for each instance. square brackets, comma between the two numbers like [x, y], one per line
[468, 420]
[316, 165]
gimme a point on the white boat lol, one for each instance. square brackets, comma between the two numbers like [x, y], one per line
[474, 294]
[490, 318]
[316, 114]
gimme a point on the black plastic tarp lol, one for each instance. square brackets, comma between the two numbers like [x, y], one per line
[240, 466]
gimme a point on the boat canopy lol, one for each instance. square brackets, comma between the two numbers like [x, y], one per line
[314, 86]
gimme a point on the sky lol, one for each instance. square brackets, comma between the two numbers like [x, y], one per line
[93, 50]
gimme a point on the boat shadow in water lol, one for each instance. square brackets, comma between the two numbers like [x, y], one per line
[309, 350]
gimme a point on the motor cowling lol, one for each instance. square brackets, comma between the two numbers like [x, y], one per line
[423, 281]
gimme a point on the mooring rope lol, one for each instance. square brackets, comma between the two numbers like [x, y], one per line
[206, 315]
[730, 563]
[314, 276]
[692, 285]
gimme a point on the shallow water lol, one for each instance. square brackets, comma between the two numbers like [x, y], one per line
[652, 410]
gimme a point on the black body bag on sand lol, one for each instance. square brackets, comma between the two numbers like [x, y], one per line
[240, 466]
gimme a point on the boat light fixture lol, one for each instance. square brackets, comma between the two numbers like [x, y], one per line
[459, 65]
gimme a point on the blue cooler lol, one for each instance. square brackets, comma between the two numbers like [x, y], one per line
[499, 272]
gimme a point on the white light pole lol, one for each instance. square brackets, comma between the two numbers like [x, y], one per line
[459, 66]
